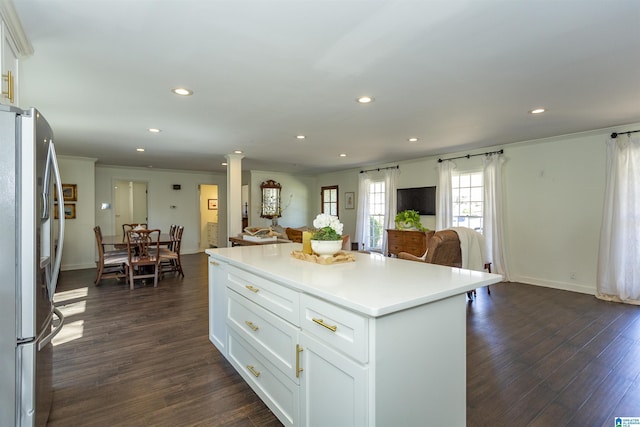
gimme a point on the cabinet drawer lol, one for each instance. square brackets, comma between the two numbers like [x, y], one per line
[278, 299]
[395, 247]
[274, 338]
[414, 239]
[275, 389]
[344, 330]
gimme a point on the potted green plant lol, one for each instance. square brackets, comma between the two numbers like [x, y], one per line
[327, 237]
[408, 220]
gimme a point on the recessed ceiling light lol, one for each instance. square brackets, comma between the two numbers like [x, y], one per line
[364, 99]
[537, 111]
[150, 166]
[182, 91]
[140, 149]
[237, 151]
[154, 130]
[412, 139]
[224, 163]
[343, 155]
[300, 136]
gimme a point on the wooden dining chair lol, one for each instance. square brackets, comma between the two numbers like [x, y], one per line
[143, 260]
[110, 264]
[170, 256]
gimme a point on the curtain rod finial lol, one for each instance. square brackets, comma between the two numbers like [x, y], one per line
[614, 135]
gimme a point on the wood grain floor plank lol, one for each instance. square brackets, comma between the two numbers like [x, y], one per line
[535, 356]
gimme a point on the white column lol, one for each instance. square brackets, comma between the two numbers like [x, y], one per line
[234, 195]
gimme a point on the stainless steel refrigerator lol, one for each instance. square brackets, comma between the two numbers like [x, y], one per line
[30, 255]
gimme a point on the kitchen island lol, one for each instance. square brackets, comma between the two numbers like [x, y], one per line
[375, 342]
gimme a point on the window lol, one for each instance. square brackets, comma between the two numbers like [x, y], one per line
[329, 200]
[376, 214]
[467, 200]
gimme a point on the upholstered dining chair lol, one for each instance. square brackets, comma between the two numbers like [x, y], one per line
[110, 264]
[143, 260]
[170, 256]
[444, 248]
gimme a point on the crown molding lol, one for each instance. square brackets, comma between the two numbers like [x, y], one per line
[14, 26]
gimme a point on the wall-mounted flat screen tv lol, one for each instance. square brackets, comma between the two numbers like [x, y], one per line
[421, 199]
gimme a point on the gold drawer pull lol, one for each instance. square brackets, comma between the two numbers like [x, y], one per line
[298, 368]
[320, 322]
[252, 289]
[10, 86]
[253, 371]
[251, 325]
[213, 263]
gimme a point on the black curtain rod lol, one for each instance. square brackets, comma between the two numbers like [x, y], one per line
[615, 134]
[472, 155]
[381, 169]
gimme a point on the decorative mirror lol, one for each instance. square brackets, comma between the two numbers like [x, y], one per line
[270, 199]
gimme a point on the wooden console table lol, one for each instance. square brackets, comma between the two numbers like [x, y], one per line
[413, 242]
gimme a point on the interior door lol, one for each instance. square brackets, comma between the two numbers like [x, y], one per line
[130, 203]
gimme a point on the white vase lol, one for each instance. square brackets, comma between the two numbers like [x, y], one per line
[326, 248]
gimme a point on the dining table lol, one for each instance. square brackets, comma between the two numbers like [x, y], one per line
[165, 239]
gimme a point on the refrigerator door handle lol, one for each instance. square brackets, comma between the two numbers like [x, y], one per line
[42, 343]
[56, 266]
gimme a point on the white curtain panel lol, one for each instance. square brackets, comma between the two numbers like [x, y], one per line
[362, 218]
[391, 203]
[444, 212]
[619, 260]
[492, 221]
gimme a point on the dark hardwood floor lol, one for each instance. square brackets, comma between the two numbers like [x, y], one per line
[536, 357]
[143, 357]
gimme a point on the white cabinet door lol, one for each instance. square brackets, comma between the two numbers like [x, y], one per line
[9, 66]
[218, 305]
[333, 387]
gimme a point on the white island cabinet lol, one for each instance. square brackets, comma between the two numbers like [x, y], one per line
[375, 342]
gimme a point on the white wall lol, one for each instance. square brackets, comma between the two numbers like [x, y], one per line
[162, 198]
[79, 243]
[553, 200]
[296, 197]
[347, 181]
[553, 189]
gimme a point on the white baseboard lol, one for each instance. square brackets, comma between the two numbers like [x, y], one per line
[67, 267]
[564, 286]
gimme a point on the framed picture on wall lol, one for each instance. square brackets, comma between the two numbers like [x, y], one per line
[348, 200]
[213, 204]
[69, 211]
[69, 192]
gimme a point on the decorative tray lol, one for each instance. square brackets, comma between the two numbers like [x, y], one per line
[261, 232]
[259, 238]
[337, 258]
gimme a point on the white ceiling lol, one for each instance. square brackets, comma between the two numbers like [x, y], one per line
[456, 74]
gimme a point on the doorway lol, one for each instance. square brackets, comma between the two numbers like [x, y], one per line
[209, 224]
[130, 203]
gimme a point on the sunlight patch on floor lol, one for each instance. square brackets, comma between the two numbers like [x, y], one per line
[74, 308]
[71, 294]
[70, 331]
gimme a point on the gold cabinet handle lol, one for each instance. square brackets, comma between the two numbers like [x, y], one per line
[252, 289]
[251, 325]
[320, 322]
[9, 92]
[298, 368]
[253, 371]
[213, 263]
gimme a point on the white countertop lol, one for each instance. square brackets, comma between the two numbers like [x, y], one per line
[372, 285]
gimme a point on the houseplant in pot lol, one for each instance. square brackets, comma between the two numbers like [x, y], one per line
[327, 237]
[408, 220]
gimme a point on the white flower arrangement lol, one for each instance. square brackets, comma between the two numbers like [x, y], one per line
[328, 227]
